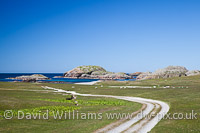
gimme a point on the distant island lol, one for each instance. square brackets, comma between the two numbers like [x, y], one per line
[98, 72]
[30, 78]
[168, 72]
[94, 72]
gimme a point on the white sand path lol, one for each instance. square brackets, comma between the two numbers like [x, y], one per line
[139, 123]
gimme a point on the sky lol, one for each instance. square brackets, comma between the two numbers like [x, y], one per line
[119, 35]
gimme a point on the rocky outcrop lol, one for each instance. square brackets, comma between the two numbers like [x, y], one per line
[119, 75]
[193, 73]
[94, 72]
[31, 78]
[170, 71]
[144, 75]
[135, 74]
[79, 71]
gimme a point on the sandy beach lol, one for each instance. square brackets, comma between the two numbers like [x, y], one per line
[88, 83]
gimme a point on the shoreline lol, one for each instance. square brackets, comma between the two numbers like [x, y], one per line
[58, 82]
[88, 83]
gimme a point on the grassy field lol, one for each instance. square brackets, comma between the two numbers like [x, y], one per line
[31, 98]
[183, 96]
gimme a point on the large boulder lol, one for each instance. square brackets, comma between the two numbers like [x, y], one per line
[193, 73]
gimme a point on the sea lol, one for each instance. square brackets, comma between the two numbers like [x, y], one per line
[4, 76]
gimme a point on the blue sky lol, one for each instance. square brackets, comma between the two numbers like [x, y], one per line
[119, 35]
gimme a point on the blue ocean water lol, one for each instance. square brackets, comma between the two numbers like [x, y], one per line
[3, 77]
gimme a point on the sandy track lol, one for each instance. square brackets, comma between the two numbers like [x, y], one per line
[140, 123]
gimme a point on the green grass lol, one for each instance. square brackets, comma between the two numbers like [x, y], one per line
[184, 98]
[43, 109]
[23, 97]
[90, 102]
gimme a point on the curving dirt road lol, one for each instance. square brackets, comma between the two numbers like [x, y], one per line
[142, 122]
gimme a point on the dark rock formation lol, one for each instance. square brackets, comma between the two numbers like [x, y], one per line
[71, 98]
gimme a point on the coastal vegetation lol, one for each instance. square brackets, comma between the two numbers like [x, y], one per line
[91, 68]
[181, 93]
[31, 98]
